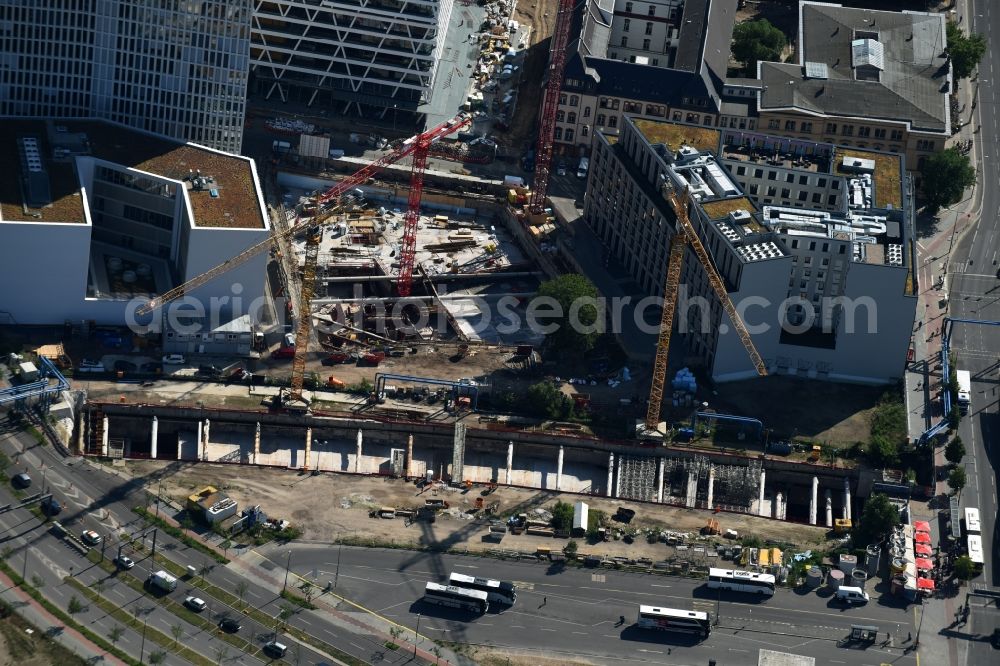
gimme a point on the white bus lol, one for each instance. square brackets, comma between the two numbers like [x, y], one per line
[741, 581]
[672, 619]
[497, 590]
[456, 597]
[972, 525]
[974, 544]
[964, 390]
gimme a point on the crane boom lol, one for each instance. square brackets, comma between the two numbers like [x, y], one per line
[686, 236]
[550, 106]
[335, 192]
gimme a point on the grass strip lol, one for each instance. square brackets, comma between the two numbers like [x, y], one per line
[66, 619]
[125, 618]
[180, 534]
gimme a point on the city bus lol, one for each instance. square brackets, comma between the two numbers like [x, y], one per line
[672, 619]
[972, 525]
[456, 597]
[741, 581]
[497, 590]
[974, 546]
[964, 378]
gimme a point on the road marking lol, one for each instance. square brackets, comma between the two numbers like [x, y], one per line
[544, 629]
[355, 645]
[655, 585]
[737, 650]
[581, 633]
[467, 566]
[651, 651]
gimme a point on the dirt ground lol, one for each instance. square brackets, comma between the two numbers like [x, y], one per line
[541, 16]
[344, 513]
[838, 414]
[18, 648]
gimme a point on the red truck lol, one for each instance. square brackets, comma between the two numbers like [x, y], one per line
[284, 352]
[373, 358]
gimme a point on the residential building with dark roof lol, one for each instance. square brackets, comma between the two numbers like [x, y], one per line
[813, 242]
[862, 78]
[658, 59]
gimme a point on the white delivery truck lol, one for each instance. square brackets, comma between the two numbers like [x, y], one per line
[164, 581]
[964, 390]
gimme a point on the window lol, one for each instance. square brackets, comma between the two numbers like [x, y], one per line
[847, 130]
[789, 125]
[772, 124]
[633, 107]
[625, 42]
[758, 173]
[649, 28]
[656, 62]
[806, 127]
[879, 133]
[562, 98]
[831, 128]
[771, 191]
[560, 116]
[864, 131]
[822, 182]
[707, 120]
[626, 24]
[645, 45]
[600, 120]
[613, 121]
[925, 144]
[812, 248]
[803, 180]
[897, 135]
[826, 247]
[657, 110]
[652, 10]
[628, 7]
[558, 134]
[789, 177]
[569, 135]
[772, 175]
[832, 201]
[817, 197]
[574, 100]
[785, 193]
[795, 244]
[571, 117]
[584, 131]
[586, 112]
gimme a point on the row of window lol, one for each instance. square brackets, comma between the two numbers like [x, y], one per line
[864, 131]
[650, 11]
[627, 24]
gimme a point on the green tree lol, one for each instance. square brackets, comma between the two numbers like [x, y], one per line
[956, 480]
[37, 581]
[177, 630]
[882, 452]
[954, 451]
[755, 41]
[946, 174]
[576, 321]
[562, 516]
[115, 634]
[545, 400]
[965, 52]
[570, 549]
[877, 520]
[157, 657]
[74, 606]
[965, 568]
[241, 589]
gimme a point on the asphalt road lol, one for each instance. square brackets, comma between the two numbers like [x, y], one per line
[568, 612]
[103, 502]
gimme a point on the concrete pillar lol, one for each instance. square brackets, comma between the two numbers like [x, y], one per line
[199, 445]
[309, 441]
[711, 487]
[256, 444]
[510, 461]
[104, 437]
[409, 457]
[611, 475]
[692, 489]
[659, 480]
[813, 503]
[778, 512]
[847, 498]
[204, 442]
[618, 480]
[829, 508]
[357, 456]
[154, 432]
[559, 466]
[760, 498]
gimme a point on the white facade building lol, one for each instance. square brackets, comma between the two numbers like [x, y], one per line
[178, 69]
[645, 31]
[373, 54]
[95, 218]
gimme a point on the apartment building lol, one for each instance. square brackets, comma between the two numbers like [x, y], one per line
[813, 243]
[661, 59]
[355, 56]
[175, 69]
[863, 78]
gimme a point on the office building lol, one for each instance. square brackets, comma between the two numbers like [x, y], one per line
[177, 69]
[813, 242]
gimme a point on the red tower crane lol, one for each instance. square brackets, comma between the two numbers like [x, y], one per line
[550, 106]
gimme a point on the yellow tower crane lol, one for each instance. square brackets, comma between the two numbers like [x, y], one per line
[686, 236]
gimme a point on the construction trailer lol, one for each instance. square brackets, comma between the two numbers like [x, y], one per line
[580, 516]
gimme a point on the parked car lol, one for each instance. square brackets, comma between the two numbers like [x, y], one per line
[50, 506]
[209, 370]
[198, 605]
[229, 625]
[124, 562]
[275, 649]
[90, 537]
[336, 357]
[21, 480]
[173, 359]
[284, 352]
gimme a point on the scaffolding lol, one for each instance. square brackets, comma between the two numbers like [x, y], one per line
[637, 479]
[735, 487]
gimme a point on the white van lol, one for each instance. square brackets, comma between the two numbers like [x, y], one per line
[852, 595]
[581, 170]
[275, 649]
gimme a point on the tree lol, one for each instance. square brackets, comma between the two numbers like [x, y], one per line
[37, 581]
[157, 657]
[570, 549]
[545, 400]
[221, 653]
[965, 52]
[954, 451]
[115, 634]
[755, 41]
[877, 520]
[946, 174]
[956, 480]
[241, 589]
[965, 568]
[576, 322]
[562, 516]
[177, 630]
[882, 452]
[74, 606]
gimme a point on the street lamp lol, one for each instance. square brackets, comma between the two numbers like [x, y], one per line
[336, 574]
[416, 636]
